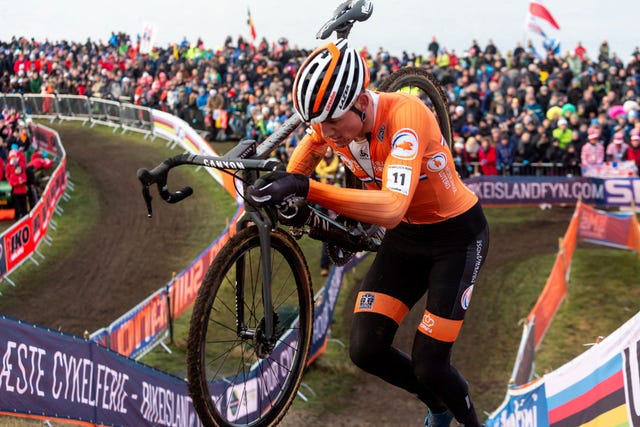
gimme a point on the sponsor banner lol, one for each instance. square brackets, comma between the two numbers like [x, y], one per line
[533, 190]
[140, 326]
[45, 138]
[18, 243]
[39, 223]
[57, 183]
[163, 124]
[620, 191]
[173, 128]
[523, 406]
[184, 288]
[606, 228]
[244, 398]
[323, 312]
[624, 169]
[45, 373]
[602, 385]
[511, 190]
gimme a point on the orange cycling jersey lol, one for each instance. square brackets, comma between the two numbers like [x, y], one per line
[405, 157]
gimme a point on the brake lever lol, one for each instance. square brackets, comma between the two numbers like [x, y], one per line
[147, 199]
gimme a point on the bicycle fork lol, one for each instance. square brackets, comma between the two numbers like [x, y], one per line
[263, 337]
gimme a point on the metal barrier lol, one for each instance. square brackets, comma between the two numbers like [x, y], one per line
[136, 118]
[127, 116]
[13, 102]
[74, 107]
[41, 106]
[105, 112]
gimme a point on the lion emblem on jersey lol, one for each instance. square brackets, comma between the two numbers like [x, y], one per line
[437, 162]
[404, 144]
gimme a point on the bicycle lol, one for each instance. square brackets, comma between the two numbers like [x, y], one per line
[251, 326]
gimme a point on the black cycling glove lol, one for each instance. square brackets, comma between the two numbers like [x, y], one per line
[278, 187]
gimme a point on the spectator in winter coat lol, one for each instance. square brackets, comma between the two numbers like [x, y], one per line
[22, 159]
[617, 150]
[461, 159]
[327, 169]
[554, 152]
[506, 154]
[593, 152]
[562, 133]
[571, 161]
[17, 177]
[488, 157]
[38, 162]
[633, 153]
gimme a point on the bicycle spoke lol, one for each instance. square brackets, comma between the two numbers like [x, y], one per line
[255, 377]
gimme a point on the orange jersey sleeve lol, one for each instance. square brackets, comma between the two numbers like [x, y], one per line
[307, 154]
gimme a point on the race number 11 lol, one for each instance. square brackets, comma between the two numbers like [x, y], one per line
[399, 179]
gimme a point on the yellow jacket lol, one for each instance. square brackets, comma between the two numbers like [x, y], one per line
[327, 171]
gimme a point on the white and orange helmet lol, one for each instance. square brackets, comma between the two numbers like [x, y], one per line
[328, 82]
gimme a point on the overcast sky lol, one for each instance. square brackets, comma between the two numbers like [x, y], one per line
[396, 25]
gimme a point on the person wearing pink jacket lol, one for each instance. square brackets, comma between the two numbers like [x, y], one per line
[592, 152]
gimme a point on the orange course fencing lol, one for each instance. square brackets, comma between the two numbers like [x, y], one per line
[619, 230]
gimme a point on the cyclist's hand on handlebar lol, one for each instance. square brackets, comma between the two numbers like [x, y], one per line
[278, 187]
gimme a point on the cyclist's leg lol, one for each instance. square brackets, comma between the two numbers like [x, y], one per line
[451, 282]
[394, 283]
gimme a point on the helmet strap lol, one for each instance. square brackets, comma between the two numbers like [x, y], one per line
[361, 113]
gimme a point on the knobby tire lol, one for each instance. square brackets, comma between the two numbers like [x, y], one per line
[216, 354]
[420, 78]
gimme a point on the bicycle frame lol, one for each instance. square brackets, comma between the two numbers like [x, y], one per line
[250, 158]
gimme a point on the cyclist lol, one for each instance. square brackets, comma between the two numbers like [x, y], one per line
[437, 235]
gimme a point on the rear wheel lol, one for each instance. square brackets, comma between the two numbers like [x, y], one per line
[236, 376]
[419, 82]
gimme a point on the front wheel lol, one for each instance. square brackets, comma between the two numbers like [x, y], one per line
[419, 82]
[238, 377]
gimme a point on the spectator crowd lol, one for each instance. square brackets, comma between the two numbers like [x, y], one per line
[512, 111]
[21, 165]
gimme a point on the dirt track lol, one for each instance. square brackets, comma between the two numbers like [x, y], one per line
[124, 257]
[118, 263]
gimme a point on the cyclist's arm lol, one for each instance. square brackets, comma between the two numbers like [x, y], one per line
[307, 154]
[382, 207]
[387, 206]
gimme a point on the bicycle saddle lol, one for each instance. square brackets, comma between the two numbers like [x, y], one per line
[344, 16]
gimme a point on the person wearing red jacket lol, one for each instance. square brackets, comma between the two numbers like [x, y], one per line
[39, 161]
[17, 177]
[488, 156]
[633, 153]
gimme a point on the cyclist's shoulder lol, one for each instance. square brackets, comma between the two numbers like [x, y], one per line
[399, 111]
[401, 106]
